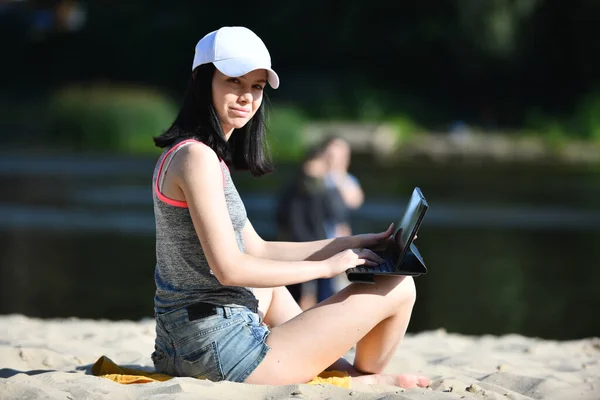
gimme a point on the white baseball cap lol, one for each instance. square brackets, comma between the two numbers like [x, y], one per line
[235, 51]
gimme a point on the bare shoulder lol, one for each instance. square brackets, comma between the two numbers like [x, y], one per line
[199, 152]
[196, 159]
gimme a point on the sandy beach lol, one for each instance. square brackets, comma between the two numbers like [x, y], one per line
[52, 358]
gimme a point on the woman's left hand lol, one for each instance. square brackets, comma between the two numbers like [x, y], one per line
[375, 240]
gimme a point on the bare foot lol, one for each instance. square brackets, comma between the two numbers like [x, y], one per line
[401, 380]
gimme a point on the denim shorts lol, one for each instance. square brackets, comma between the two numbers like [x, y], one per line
[226, 346]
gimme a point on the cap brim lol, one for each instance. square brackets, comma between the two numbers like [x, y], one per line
[241, 66]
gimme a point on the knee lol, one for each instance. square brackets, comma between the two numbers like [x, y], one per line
[409, 290]
[405, 292]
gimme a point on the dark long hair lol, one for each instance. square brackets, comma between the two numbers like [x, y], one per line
[247, 148]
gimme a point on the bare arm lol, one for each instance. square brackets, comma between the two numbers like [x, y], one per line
[197, 171]
[315, 250]
[296, 251]
[349, 189]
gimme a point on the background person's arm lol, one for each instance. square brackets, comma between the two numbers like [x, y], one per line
[349, 189]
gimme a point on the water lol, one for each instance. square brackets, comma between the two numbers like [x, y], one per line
[510, 248]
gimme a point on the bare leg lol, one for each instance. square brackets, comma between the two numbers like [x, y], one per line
[376, 349]
[374, 316]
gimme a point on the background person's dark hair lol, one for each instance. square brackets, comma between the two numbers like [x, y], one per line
[247, 148]
[313, 153]
[330, 138]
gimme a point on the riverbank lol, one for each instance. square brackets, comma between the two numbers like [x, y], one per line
[492, 147]
[457, 145]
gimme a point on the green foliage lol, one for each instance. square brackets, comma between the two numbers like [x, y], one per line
[584, 123]
[587, 117]
[284, 129]
[554, 131]
[404, 126]
[108, 118]
[450, 61]
[370, 107]
[494, 27]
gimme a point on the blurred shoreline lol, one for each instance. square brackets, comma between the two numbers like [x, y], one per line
[386, 148]
[495, 147]
[97, 203]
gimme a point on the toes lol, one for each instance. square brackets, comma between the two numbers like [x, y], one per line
[423, 381]
[411, 381]
[407, 381]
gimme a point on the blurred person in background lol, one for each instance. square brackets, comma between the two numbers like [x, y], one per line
[346, 195]
[345, 186]
[222, 308]
[309, 209]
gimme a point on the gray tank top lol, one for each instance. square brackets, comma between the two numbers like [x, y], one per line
[182, 274]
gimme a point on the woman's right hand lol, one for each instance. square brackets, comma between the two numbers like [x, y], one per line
[351, 258]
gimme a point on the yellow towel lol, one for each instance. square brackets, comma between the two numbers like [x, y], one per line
[106, 368]
[336, 378]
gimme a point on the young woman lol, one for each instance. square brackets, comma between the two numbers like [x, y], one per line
[222, 309]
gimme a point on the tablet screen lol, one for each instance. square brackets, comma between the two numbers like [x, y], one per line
[409, 224]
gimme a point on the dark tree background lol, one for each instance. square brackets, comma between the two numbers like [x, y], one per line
[490, 63]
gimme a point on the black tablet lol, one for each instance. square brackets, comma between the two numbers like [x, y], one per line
[401, 255]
